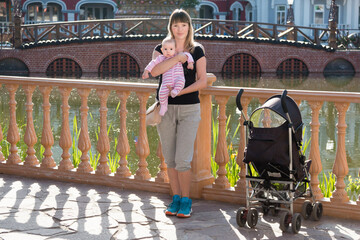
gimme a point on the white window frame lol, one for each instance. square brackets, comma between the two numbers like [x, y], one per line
[282, 14]
[318, 11]
[38, 14]
[5, 14]
[84, 11]
[236, 14]
[249, 13]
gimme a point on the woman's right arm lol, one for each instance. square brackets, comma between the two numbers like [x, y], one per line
[166, 65]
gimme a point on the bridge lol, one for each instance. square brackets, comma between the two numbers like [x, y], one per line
[148, 27]
[124, 46]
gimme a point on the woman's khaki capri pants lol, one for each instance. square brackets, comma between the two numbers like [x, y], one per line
[177, 132]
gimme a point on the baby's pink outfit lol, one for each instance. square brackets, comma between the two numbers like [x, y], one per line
[174, 78]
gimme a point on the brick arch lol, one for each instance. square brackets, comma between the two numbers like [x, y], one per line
[64, 67]
[13, 67]
[292, 67]
[119, 64]
[241, 64]
[339, 66]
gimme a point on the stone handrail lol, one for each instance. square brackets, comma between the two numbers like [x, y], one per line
[203, 183]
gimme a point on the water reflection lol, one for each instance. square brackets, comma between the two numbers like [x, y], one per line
[317, 82]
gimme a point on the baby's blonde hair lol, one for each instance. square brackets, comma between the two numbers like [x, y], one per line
[168, 40]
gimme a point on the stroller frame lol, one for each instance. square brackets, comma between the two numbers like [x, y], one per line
[262, 192]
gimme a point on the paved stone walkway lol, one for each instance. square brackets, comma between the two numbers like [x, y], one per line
[44, 209]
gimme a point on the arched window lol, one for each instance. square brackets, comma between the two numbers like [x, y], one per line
[13, 67]
[119, 65]
[237, 9]
[36, 13]
[64, 67]
[339, 67]
[4, 11]
[92, 11]
[249, 13]
[206, 12]
[292, 66]
[241, 63]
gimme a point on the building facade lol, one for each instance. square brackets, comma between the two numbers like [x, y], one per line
[308, 13]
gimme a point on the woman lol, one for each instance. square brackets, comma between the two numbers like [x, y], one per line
[179, 125]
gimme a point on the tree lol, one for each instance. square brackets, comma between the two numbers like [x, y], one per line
[188, 4]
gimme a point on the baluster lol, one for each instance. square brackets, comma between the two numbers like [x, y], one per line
[123, 147]
[142, 147]
[162, 176]
[47, 138]
[316, 165]
[30, 135]
[266, 121]
[65, 141]
[84, 143]
[241, 183]
[222, 155]
[103, 145]
[13, 133]
[340, 167]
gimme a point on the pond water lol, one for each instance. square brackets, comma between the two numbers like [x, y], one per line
[328, 117]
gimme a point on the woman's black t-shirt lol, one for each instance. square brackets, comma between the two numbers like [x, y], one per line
[190, 78]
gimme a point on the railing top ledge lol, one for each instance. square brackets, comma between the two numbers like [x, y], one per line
[79, 83]
[350, 97]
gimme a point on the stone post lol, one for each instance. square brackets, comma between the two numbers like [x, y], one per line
[201, 167]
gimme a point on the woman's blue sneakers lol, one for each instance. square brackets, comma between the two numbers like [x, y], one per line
[174, 207]
[185, 208]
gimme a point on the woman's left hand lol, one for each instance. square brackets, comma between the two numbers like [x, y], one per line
[181, 57]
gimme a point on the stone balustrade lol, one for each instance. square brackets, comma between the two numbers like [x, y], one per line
[204, 185]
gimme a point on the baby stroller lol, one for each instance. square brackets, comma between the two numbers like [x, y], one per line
[276, 170]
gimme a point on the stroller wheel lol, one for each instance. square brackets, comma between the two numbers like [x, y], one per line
[306, 210]
[252, 217]
[296, 223]
[285, 219]
[317, 211]
[241, 217]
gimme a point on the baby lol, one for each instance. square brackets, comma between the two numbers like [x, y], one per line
[173, 78]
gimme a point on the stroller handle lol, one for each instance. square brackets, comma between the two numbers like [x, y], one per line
[238, 99]
[283, 101]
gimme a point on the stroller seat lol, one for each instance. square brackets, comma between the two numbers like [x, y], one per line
[268, 141]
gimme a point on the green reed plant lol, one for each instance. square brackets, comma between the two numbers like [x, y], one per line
[327, 184]
[76, 153]
[353, 188]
